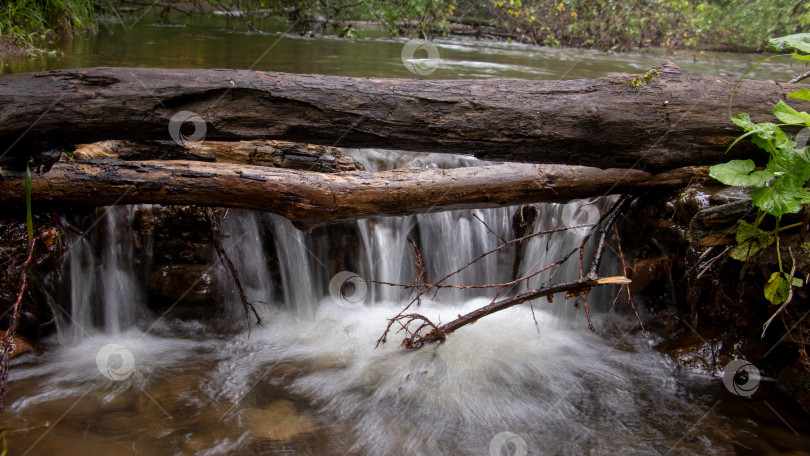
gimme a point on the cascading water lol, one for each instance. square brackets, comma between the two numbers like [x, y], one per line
[310, 380]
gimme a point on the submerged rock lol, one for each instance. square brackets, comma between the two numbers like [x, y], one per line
[278, 421]
[19, 344]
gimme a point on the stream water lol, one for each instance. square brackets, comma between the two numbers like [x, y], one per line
[119, 378]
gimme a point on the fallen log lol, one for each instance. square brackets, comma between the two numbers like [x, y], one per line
[310, 199]
[275, 154]
[661, 122]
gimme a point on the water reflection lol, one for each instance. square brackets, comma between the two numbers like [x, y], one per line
[219, 42]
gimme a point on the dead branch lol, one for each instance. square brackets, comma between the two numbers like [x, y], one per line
[571, 288]
[216, 235]
[581, 287]
[12, 326]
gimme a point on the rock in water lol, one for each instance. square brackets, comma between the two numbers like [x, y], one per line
[278, 421]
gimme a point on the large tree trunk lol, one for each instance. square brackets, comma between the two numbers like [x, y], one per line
[311, 198]
[674, 120]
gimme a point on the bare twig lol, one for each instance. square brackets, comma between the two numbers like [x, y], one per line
[487, 227]
[420, 279]
[799, 78]
[216, 235]
[12, 326]
[581, 287]
[575, 287]
[627, 287]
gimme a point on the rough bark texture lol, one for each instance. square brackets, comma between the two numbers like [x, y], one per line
[275, 154]
[310, 199]
[675, 120]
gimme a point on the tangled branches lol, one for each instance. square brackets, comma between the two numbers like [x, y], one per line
[427, 332]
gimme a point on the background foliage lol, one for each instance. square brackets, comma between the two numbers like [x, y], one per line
[31, 22]
[602, 24]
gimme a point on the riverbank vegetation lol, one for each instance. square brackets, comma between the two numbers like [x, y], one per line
[30, 24]
[602, 24]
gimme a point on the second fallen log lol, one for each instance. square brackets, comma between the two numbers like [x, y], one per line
[310, 198]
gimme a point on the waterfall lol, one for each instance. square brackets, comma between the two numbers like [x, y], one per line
[244, 245]
[103, 291]
[312, 379]
[299, 267]
[121, 295]
[106, 288]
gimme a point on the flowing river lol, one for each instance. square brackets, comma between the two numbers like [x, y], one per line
[122, 378]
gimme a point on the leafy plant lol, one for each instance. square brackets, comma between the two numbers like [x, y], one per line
[32, 23]
[622, 24]
[780, 187]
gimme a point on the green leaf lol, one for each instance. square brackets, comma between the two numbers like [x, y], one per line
[799, 42]
[743, 121]
[780, 198]
[750, 240]
[738, 173]
[800, 57]
[803, 94]
[797, 282]
[788, 115]
[777, 289]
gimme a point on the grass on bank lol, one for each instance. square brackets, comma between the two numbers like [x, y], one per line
[33, 23]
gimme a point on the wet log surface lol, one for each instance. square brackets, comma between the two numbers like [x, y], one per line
[274, 154]
[677, 119]
[310, 198]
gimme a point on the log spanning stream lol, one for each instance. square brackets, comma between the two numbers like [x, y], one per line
[122, 377]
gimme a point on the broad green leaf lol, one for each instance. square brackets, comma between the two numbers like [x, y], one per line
[800, 57]
[799, 42]
[797, 282]
[777, 289]
[768, 130]
[738, 173]
[780, 198]
[790, 165]
[788, 115]
[759, 142]
[750, 240]
[803, 94]
[743, 121]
